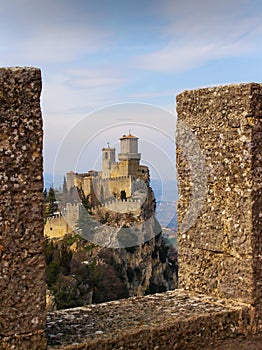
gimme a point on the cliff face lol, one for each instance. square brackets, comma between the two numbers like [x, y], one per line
[80, 273]
[150, 268]
[119, 254]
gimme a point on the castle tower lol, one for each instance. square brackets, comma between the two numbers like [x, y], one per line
[108, 160]
[70, 180]
[129, 148]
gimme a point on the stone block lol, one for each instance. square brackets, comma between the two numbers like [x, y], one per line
[32, 341]
[219, 162]
[212, 273]
[22, 268]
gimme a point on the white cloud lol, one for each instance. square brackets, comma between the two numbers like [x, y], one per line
[175, 59]
[69, 96]
[48, 32]
[95, 78]
[62, 44]
[199, 31]
[80, 90]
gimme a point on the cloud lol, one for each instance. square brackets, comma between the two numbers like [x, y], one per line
[175, 59]
[70, 95]
[72, 90]
[48, 32]
[199, 31]
[93, 79]
[97, 53]
[61, 44]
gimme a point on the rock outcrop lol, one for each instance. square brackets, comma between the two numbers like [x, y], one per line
[117, 255]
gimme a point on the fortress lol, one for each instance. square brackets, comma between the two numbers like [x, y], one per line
[117, 180]
[120, 187]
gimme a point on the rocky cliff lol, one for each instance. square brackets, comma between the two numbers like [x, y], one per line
[118, 254]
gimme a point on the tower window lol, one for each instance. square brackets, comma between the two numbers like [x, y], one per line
[106, 155]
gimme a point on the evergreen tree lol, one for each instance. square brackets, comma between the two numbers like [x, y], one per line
[64, 186]
[45, 194]
[51, 199]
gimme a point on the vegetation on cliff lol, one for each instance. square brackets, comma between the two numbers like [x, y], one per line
[79, 272]
[114, 255]
[76, 275]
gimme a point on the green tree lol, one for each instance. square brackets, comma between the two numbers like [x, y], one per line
[64, 186]
[51, 200]
[45, 194]
[65, 259]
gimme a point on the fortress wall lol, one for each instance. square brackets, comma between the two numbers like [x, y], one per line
[167, 321]
[78, 181]
[57, 227]
[133, 166]
[120, 169]
[123, 183]
[72, 212]
[119, 206]
[86, 186]
[104, 189]
[100, 189]
[22, 269]
[70, 180]
[220, 247]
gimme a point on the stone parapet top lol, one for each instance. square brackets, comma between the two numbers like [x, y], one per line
[172, 320]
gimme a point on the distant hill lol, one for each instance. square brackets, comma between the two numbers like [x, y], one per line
[173, 223]
[166, 195]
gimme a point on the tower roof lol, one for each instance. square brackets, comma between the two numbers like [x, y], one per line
[108, 148]
[129, 136]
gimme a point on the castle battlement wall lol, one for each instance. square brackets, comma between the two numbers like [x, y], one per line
[120, 206]
[50, 218]
[219, 135]
[22, 268]
[58, 226]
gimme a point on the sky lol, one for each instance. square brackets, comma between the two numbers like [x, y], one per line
[110, 66]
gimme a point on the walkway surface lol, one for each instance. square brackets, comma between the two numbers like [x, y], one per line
[240, 343]
[172, 320]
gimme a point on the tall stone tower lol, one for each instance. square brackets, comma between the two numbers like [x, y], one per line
[129, 153]
[70, 180]
[108, 161]
[129, 148]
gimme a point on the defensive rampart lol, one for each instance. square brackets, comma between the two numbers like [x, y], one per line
[220, 248]
[22, 268]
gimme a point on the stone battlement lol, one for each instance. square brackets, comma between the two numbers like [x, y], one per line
[171, 320]
[120, 206]
[54, 216]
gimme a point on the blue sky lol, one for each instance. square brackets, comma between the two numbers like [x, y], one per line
[99, 53]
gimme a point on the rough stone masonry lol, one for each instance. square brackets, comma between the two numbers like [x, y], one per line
[220, 253]
[22, 268]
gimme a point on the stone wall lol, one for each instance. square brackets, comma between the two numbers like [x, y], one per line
[173, 320]
[121, 184]
[57, 227]
[22, 269]
[219, 137]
